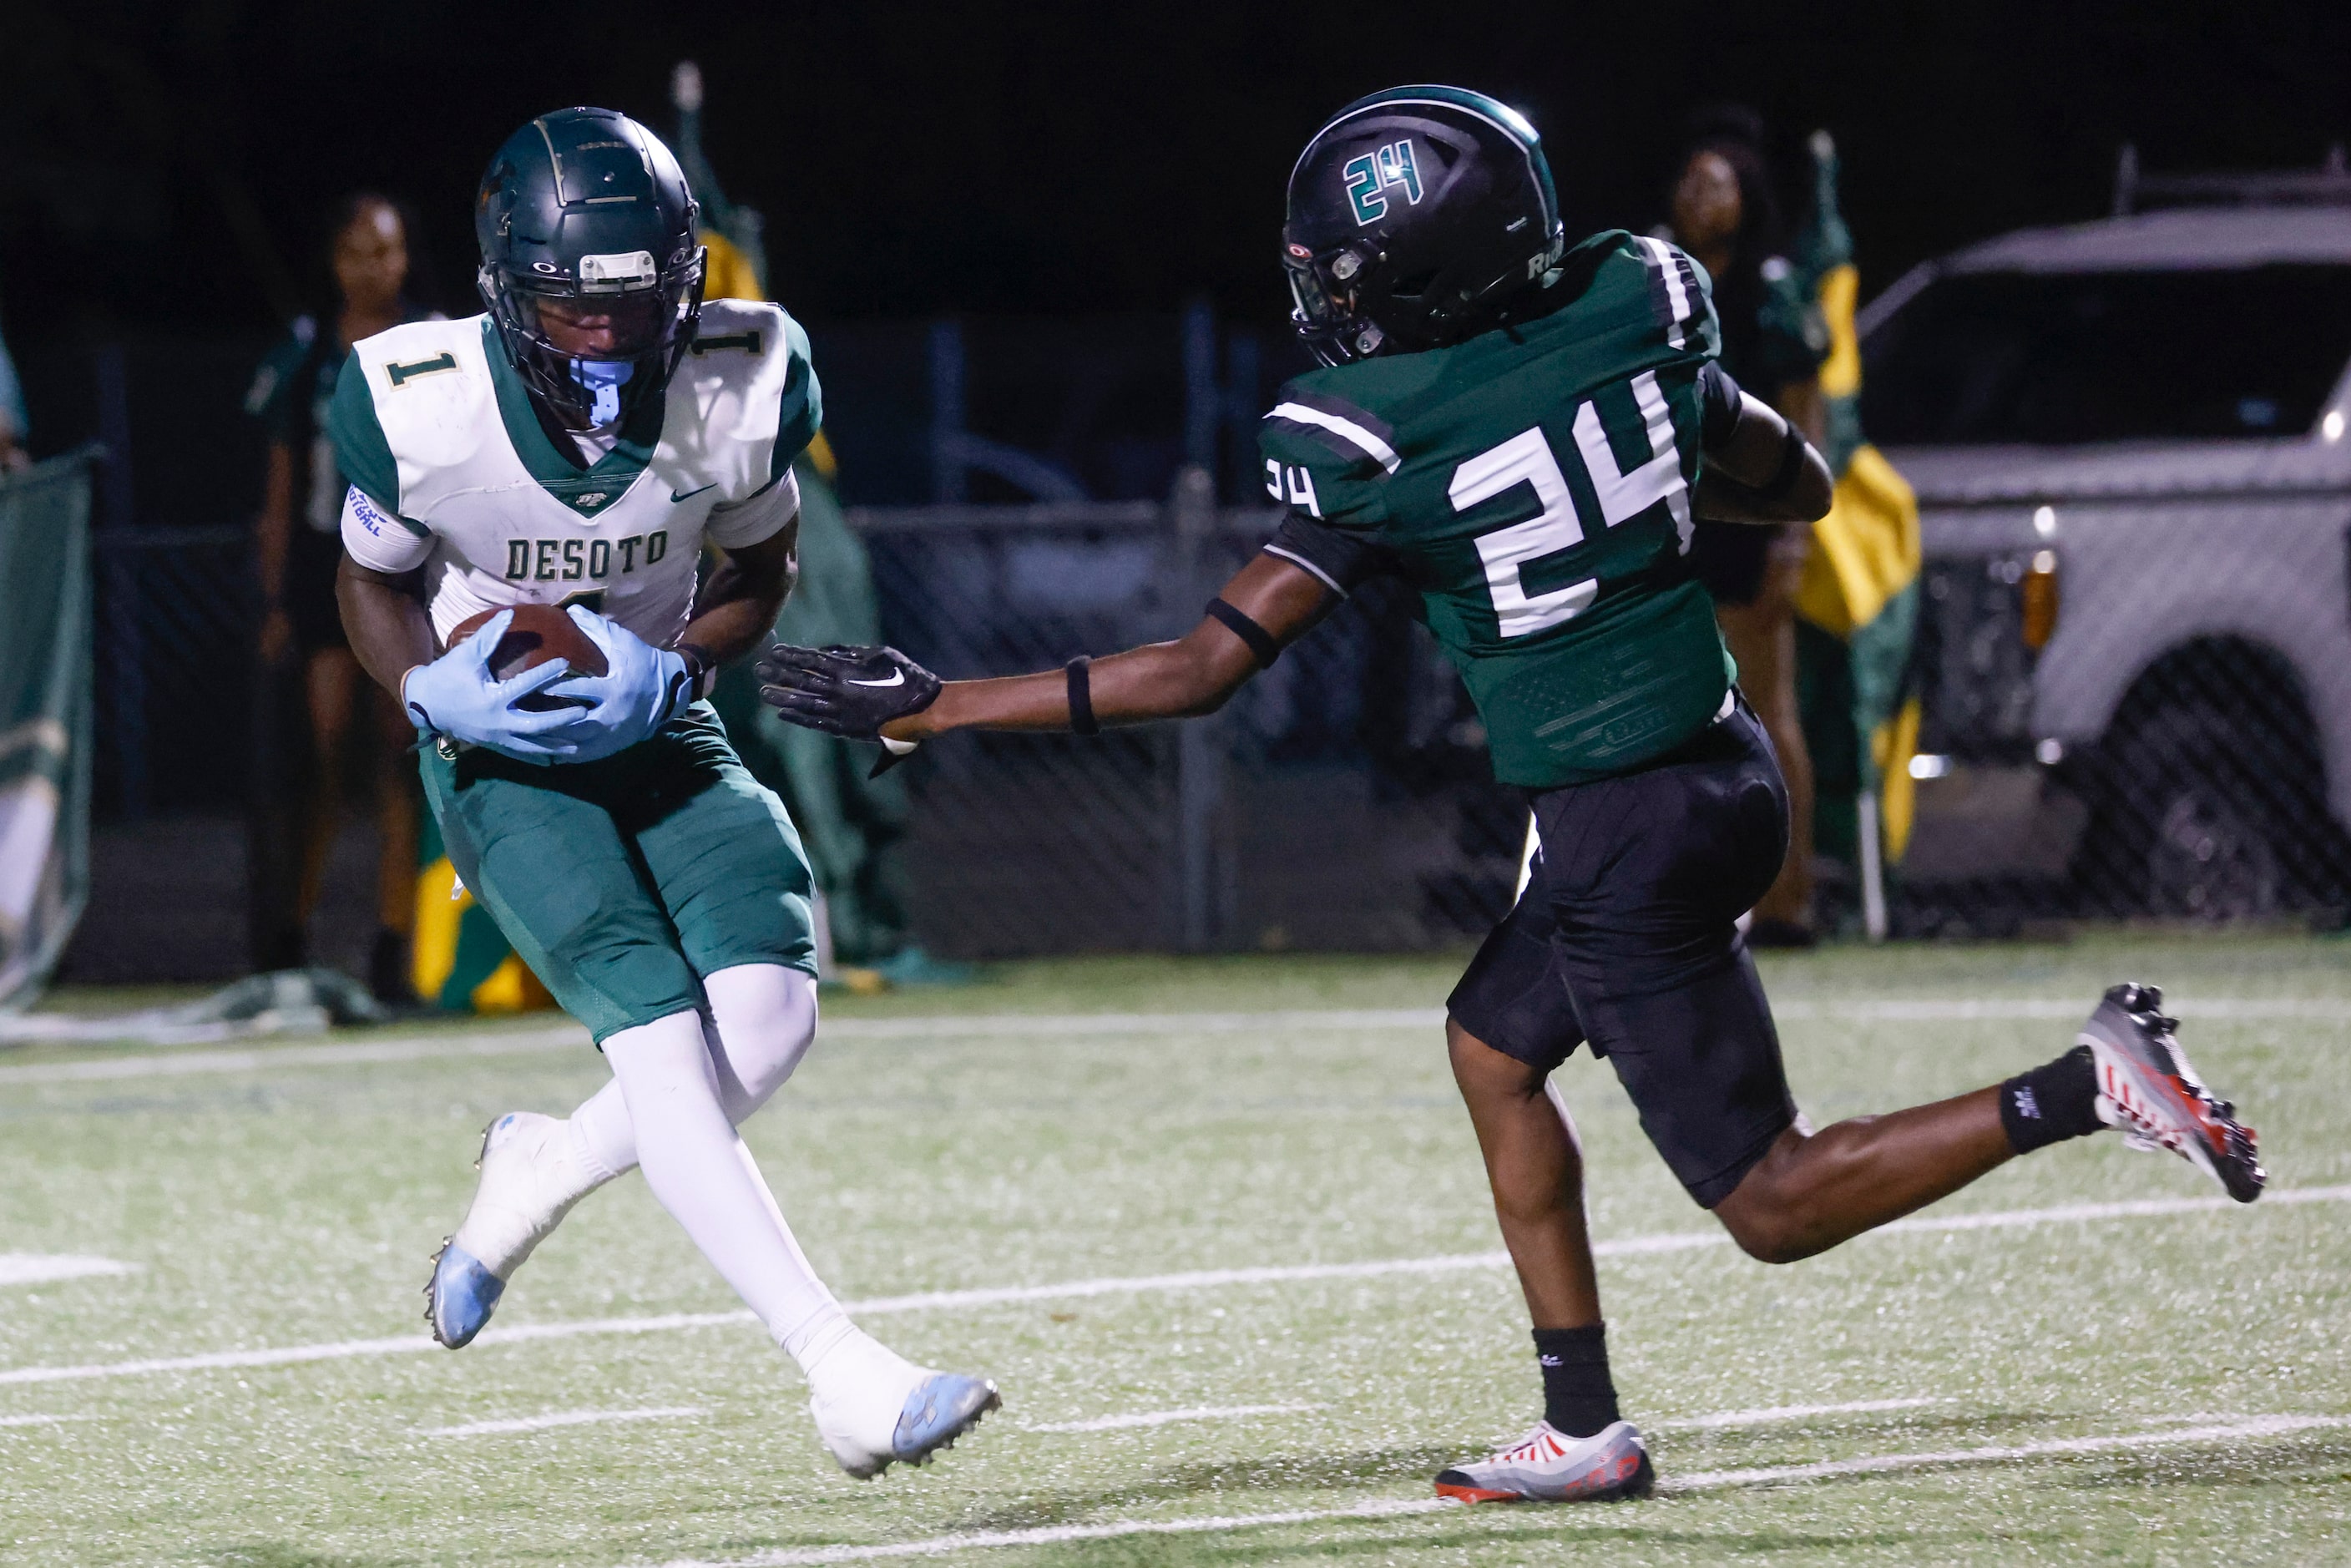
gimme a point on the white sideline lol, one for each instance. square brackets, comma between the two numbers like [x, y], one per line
[168, 1063]
[1206, 1278]
[41, 1267]
[561, 1418]
[1169, 1417]
[1056, 1534]
[1784, 1413]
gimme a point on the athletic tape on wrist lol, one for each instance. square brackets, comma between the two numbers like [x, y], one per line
[1082, 697]
[1260, 641]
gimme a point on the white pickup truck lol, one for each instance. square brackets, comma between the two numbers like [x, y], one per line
[2138, 422]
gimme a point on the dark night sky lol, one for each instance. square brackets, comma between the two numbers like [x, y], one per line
[913, 158]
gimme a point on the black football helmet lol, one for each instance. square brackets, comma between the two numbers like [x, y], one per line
[1415, 216]
[586, 205]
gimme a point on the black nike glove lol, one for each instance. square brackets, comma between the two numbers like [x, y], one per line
[844, 691]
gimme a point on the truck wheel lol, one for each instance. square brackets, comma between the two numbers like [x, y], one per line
[2188, 822]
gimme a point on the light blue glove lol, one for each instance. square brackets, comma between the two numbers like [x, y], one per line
[642, 688]
[455, 696]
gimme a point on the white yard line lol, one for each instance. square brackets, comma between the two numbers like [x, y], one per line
[1784, 1413]
[6, 1421]
[194, 1063]
[2220, 1432]
[168, 1063]
[1055, 1534]
[41, 1267]
[1128, 1285]
[561, 1418]
[1169, 1417]
[1050, 1535]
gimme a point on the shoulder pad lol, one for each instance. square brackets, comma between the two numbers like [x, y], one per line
[430, 388]
[1330, 431]
[1681, 297]
[754, 389]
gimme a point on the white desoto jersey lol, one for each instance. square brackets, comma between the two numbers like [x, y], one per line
[451, 470]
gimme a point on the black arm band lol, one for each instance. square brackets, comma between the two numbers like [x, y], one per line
[1260, 641]
[701, 669]
[1082, 698]
[1793, 447]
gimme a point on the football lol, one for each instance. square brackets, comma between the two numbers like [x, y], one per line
[537, 633]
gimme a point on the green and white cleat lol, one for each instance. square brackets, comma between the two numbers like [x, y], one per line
[530, 1182]
[874, 1408]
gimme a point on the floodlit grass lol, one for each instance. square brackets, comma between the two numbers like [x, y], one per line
[295, 1203]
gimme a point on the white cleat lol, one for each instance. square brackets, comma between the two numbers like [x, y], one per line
[1549, 1465]
[874, 1408]
[2147, 1088]
[530, 1179]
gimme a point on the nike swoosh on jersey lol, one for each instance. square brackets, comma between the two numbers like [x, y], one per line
[676, 497]
[897, 678]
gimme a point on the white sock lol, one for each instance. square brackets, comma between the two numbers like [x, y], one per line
[766, 1016]
[701, 1173]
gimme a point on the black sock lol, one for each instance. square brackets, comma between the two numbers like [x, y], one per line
[1578, 1397]
[2051, 1103]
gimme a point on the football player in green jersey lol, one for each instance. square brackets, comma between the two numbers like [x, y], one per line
[1525, 432]
[575, 446]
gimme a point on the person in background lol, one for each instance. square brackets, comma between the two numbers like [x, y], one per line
[12, 423]
[299, 547]
[1773, 340]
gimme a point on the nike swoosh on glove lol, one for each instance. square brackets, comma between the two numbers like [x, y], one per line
[457, 695]
[642, 688]
[844, 691]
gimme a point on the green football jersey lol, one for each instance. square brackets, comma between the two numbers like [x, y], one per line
[1533, 484]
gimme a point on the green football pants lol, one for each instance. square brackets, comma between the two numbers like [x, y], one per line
[622, 882]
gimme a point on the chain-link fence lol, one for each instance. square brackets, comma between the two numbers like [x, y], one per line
[1341, 799]
[2135, 704]
[2090, 747]
[177, 723]
[2169, 745]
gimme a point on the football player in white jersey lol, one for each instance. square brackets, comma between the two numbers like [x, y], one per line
[577, 445]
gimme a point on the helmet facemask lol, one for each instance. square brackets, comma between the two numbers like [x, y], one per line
[644, 315]
[1322, 303]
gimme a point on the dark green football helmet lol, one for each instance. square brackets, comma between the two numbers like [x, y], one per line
[1417, 217]
[586, 211]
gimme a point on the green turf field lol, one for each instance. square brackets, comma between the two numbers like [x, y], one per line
[2166, 1385]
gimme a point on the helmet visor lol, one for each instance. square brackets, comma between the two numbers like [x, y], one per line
[593, 326]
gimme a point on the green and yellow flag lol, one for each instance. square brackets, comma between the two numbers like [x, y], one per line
[1858, 606]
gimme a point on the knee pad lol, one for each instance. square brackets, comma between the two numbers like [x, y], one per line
[764, 1019]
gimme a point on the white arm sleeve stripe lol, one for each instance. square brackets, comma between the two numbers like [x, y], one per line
[749, 522]
[377, 539]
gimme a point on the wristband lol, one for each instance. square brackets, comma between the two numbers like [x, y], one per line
[1082, 698]
[1793, 447]
[701, 669]
[1260, 641]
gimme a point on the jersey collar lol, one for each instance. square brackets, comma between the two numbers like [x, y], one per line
[587, 491]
